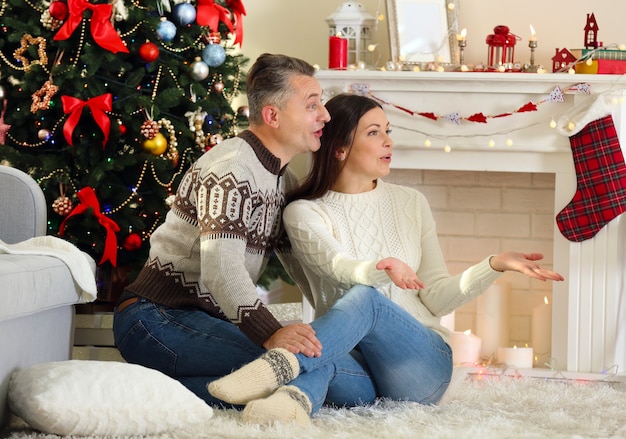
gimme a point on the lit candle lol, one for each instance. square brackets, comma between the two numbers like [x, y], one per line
[462, 43]
[533, 37]
[520, 358]
[462, 35]
[337, 53]
[465, 347]
[542, 332]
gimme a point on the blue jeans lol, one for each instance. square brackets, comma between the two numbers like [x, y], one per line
[371, 348]
[406, 360]
[195, 348]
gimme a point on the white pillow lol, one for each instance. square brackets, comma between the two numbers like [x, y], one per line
[102, 398]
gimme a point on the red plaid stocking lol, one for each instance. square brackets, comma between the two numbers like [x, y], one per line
[601, 181]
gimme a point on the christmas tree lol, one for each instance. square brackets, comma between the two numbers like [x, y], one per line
[107, 104]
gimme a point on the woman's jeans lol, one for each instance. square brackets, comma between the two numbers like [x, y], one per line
[371, 348]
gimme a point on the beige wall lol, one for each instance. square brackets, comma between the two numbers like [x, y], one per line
[298, 27]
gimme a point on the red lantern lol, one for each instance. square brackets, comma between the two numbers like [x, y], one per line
[149, 52]
[501, 48]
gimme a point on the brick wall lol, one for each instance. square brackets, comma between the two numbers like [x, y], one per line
[481, 213]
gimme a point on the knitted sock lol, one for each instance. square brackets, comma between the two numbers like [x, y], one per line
[287, 404]
[258, 378]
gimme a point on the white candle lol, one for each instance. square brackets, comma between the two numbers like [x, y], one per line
[492, 318]
[465, 347]
[541, 332]
[533, 36]
[520, 358]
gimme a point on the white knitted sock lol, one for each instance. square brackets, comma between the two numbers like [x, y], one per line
[258, 378]
[287, 404]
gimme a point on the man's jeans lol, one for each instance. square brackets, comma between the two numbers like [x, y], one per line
[371, 348]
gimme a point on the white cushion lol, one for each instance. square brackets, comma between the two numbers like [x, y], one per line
[102, 398]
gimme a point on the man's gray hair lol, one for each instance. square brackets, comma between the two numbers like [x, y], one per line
[268, 82]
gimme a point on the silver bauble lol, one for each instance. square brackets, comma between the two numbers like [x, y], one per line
[199, 70]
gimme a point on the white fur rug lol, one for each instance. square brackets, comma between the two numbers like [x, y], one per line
[492, 407]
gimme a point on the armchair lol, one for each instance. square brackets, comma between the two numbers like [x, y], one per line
[37, 291]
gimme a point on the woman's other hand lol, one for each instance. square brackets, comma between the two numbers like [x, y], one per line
[400, 274]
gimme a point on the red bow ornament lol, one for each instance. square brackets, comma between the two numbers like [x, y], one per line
[102, 30]
[238, 10]
[88, 199]
[98, 106]
[209, 14]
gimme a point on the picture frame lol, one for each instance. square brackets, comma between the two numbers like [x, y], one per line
[422, 31]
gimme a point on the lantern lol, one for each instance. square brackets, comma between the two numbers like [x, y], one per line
[501, 48]
[352, 22]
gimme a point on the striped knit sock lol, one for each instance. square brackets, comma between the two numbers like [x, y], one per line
[287, 404]
[258, 378]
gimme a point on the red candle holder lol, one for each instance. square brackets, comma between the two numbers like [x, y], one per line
[501, 48]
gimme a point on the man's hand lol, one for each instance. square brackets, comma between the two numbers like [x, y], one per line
[296, 338]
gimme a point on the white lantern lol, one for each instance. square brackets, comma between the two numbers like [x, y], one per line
[352, 22]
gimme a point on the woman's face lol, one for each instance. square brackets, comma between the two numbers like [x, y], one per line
[370, 156]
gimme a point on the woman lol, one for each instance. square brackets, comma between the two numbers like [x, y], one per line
[348, 227]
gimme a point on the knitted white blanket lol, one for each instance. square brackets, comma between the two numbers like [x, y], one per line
[81, 265]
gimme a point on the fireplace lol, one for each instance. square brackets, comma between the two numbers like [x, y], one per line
[505, 122]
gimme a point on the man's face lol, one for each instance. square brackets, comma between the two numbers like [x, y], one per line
[303, 116]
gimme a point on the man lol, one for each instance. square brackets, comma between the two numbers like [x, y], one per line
[193, 312]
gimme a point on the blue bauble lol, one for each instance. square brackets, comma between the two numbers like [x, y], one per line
[166, 30]
[214, 55]
[184, 14]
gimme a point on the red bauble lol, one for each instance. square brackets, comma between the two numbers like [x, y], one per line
[132, 242]
[149, 52]
[58, 10]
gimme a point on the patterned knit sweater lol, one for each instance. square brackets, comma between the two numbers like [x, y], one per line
[217, 237]
[339, 238]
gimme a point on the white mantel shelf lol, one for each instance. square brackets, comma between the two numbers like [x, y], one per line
[472, 92]
[586, 307]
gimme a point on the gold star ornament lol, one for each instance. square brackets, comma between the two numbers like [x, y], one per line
[42, 97]
[26, 41]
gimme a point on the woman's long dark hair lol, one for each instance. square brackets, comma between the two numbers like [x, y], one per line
[346, 110]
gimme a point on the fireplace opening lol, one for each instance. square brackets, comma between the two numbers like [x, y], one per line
[481, 213]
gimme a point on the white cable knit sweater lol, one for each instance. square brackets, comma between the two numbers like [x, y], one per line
[339, 238]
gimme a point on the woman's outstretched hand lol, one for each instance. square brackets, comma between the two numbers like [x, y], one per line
[400, 274]
[523, 263]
